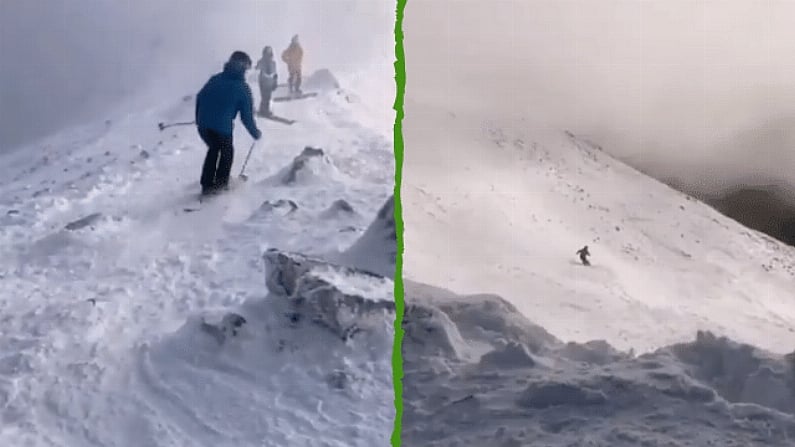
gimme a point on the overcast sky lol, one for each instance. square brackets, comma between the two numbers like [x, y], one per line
[684, 86]
[65, 62]
[679, 85]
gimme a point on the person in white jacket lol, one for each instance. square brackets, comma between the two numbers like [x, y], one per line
[268, 80]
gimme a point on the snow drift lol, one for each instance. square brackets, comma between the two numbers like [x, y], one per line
[376, 250]
[322, 80]
[477, 372]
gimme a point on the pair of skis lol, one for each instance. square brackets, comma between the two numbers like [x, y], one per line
[203, 198]
[291, 97]
[278, 119]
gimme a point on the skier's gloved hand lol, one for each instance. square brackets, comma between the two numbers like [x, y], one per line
[257, 135]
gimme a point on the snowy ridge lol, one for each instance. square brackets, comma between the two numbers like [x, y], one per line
[480, 373]
[142, 324]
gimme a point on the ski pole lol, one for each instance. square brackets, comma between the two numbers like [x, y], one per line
[244, 176]
[164, 126]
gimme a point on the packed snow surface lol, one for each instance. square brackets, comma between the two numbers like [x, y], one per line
[129, 321]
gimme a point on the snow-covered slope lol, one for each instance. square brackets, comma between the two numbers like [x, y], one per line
[144, 325]
[512, 204]
[500, 207]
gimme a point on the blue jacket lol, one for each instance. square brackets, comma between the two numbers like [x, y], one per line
[220, 100]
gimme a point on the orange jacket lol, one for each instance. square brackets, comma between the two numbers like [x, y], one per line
[293, 56]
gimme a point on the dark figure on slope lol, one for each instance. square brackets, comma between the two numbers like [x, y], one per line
[268, 80]
[293, 56]
[217, 104]
[583, 253]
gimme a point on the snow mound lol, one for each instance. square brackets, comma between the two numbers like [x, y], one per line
[596, 352]
[280, 207]
[431, 334]
[339, 208]
[312, 165]
[229, 326]
[376, 249]
[739, 372]
[512, 355]
[477, 372]
[322, 80]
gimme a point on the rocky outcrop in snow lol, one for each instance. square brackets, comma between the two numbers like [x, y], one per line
[338, 298]
[83, 222]
[312, 164]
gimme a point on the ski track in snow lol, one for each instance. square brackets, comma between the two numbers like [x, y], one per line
[100, 343]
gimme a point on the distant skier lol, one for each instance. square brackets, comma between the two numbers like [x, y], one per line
[293, 56]
[583, 253]
[217, 104]
[268, 80]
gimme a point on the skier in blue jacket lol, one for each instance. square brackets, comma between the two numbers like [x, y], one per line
[217, 104]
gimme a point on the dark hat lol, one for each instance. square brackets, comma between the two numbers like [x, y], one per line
[240, 57]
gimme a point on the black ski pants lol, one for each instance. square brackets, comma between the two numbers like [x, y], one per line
[218, 162]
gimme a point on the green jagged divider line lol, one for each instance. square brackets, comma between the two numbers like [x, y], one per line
[397, 354]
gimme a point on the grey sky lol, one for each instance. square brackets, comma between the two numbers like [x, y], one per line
[689, 87]
[63, 62]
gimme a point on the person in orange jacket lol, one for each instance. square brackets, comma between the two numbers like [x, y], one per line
[293, 56]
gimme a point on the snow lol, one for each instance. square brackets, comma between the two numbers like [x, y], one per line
[117, 330]
[497, 228]
[478, 372]
[374, 251]
[512, 206]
